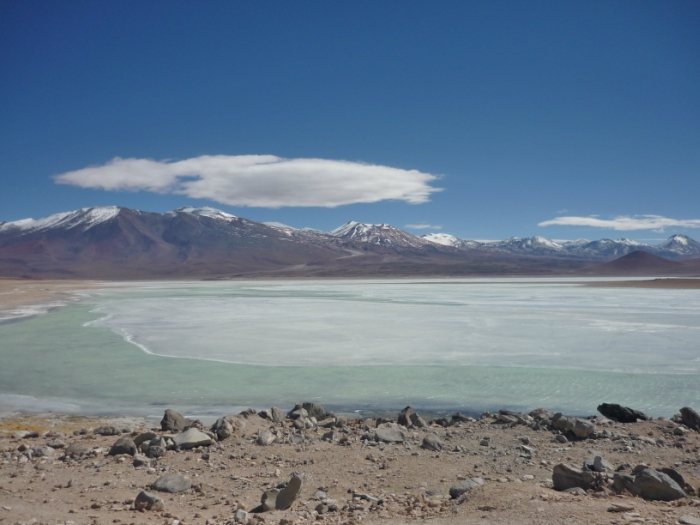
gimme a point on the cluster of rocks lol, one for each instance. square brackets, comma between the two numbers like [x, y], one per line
[664, 484]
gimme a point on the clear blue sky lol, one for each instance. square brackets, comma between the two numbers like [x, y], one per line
[527, 111]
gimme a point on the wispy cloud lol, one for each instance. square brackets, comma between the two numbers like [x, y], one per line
[655, 223]
[422, 227]
[264, 181]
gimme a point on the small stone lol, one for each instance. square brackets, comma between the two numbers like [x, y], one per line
[266, 438]
[147, 501]
[192, 438]
[123, 445]
[241, 516]
[463, 487]
[619, 507]
[432, 442]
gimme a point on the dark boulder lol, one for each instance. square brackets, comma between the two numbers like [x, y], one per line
[174, 422]
[652, 485]
[691, 418]
[621, 414]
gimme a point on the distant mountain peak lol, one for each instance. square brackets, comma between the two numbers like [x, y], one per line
[380, 234]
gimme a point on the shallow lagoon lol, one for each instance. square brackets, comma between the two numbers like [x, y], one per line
[213, 347]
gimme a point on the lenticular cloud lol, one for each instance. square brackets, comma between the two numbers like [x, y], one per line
[264, 181]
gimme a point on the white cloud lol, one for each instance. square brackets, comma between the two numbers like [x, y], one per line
[423, 227]
[262, 181]
[638, 222]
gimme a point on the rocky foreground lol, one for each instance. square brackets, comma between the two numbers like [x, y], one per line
[310, 466]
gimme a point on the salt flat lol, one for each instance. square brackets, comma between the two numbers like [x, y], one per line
[440, 344]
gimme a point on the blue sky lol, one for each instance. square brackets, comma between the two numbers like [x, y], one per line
[519, 112]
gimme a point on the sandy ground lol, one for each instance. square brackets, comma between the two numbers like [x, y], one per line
[669, 284]
[20, 293]
[411, 483]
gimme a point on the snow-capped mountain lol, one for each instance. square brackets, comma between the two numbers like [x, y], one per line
[82, 219]
[529, 246]
[378, 234]
[114, 242]
[681, 245]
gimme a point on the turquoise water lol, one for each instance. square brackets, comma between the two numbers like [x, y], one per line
[212, 348]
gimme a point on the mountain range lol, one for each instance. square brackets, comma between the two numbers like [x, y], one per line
[120, 243]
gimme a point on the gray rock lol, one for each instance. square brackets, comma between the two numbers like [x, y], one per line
[315, 410]
[581, 428]
[689, 520]
[172, 483]
[297, 439]
[141, 461]
[408, 418]
[575, 490]
[652, 485]
[622, 482]
[266, 438]
[561, 438]
[222, 428]
[75, 450]
[56, 443]
[298, 412]
[560, 422]
[322, 509]
[40, 452]
[241, 516]
[107, 430]
[464, 486]
[288, 494]
[601, 465]
[144, 438]
[192, 438]
[155, 451]
[691, 418]
[564, 477]
[174, 422]
[147, 501]
[277, 415]
[331, 435]
[432, 442]
[459, 418]
[269, 500]
[507, 419]
[265, 414]
[674, 475]
[389, 433]
[123, 445]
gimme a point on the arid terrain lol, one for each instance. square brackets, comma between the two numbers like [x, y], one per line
[348, 474]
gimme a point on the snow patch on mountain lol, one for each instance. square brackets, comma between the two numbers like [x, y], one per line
[444, 239]
[207, 211]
